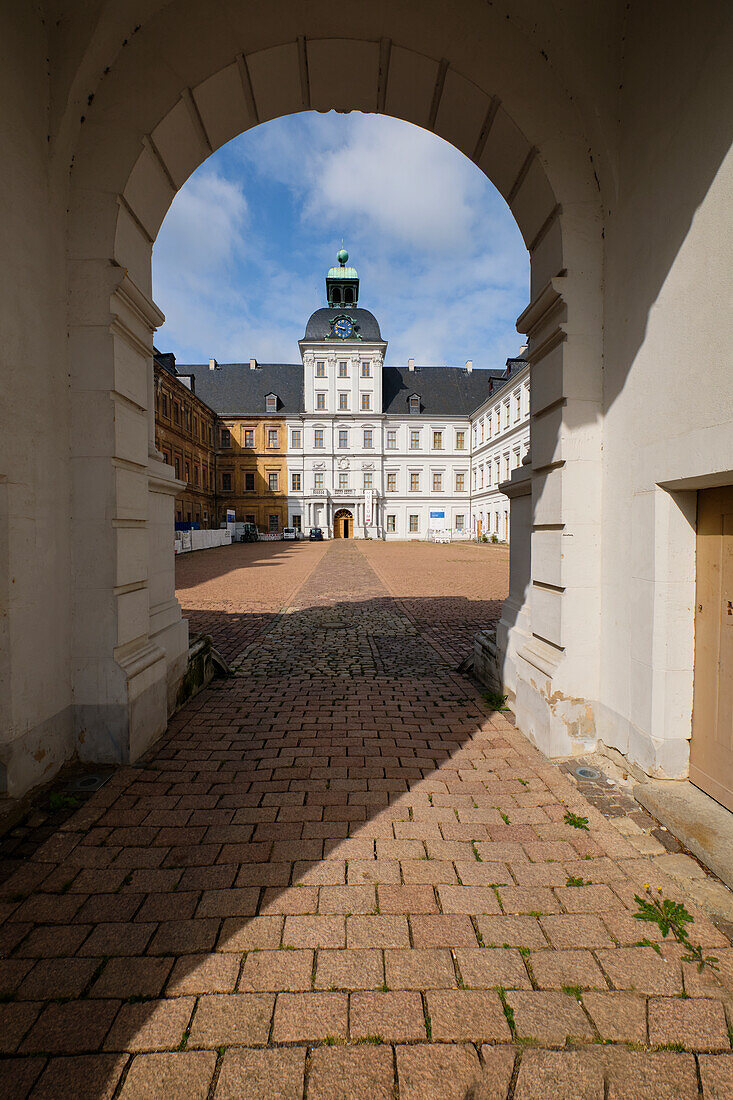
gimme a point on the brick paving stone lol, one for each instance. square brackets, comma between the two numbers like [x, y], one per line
[489, 968]
[548, 1017]
[150, 1025]
[70, 1028]
[521, 931]
[416, 969]
[15, 1021]
[82, 1075]
[697, 1023]
[225, 1019]
[443, 930]
[588, 899]
[555, 969]
[276, 970]
[563, 1075]
[195, 974]
[118, 938]
[377, 931]
[641, 969]
[347, 899]
[17, 1075]
[253, 1074]
[245, 935]
[57, 978]
[420, 871]
[467, 1014]
[620, 1017]
[184, 1075]
[309, 1016]
[373, 871]
[132, 977]
[528, 899]
[292, 902]
[578, 930]
[649, 1075]
[468, 899]
[716, 1073]
[407, 899]
[314, 931]
[393, 1016]
[435, 1071]
[348, 1073]
[357, 969]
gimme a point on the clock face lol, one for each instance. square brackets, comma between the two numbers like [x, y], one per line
[343, 328]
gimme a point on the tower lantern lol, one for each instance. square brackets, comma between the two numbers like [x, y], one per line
[342, 283]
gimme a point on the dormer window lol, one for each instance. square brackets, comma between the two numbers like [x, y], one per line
[271, 403]
[415, 403]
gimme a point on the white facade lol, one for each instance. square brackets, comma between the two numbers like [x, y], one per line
[398, 476]
[499, 443]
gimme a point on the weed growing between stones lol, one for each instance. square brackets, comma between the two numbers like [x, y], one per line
[671, 916]
[575, 820]
[495, 700]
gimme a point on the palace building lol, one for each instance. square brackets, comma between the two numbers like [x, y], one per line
[343, 442]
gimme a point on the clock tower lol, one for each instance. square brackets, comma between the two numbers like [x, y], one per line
[342, 283]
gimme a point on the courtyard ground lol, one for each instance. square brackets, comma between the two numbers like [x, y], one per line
[341, 874]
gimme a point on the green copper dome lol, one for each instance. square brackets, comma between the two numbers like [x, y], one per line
[342, 271]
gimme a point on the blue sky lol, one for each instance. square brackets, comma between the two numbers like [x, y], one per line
[240, 261]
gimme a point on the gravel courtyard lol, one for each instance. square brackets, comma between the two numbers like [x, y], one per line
[341, 874]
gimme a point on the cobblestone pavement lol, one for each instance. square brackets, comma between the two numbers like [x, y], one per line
[339, 874]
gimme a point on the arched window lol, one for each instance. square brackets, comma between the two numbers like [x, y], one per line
[348, 294]
[336, 294]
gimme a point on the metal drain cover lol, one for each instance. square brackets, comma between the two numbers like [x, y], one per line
[588, 773]
[88, 782]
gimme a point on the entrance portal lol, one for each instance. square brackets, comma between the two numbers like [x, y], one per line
[343, 524]
[711, 748]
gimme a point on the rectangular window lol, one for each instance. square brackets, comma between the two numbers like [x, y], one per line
[414, 483]
[437, 441]
[343, 438]
[481, 477]
[368, 439]
[343, 480]
[195, 426]
[506, 414]
[366, 370]
[296, 523]
[460, 523]
[318, 481]
[187, 471]
[366, 402]
[195, 475]
[295, 438]
[177, 465]
[391, 523]
[460, 482]
[226, 483]
[320, 401]
[318, 438]
[391, 440]
[320, 370]
[272, 437]
[249, 437]
[437, 483]
[273, 524]
[414, 441]
[488, 474]
[482, 431]
[368, 480]
[249, 481]
[413, 524]
[391, 483]
[460, 441]
[250, 518]
[489, 422]
[226, 437]
[517, 406]
[164, 404]
[343, 370]
[272, 482]
[175, 412]
[343, 402]
[295, 482]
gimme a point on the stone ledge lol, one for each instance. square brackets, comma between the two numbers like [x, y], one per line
[698, 821]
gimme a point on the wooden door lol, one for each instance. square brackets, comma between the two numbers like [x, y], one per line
[711, 748]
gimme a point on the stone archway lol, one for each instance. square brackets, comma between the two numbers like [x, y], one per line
[343, 524]
[190, 78]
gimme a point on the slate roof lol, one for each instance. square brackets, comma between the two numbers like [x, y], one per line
[319, 323]
[233, 389]
[444, 391]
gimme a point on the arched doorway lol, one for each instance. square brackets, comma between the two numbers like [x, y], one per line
[343, 524]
